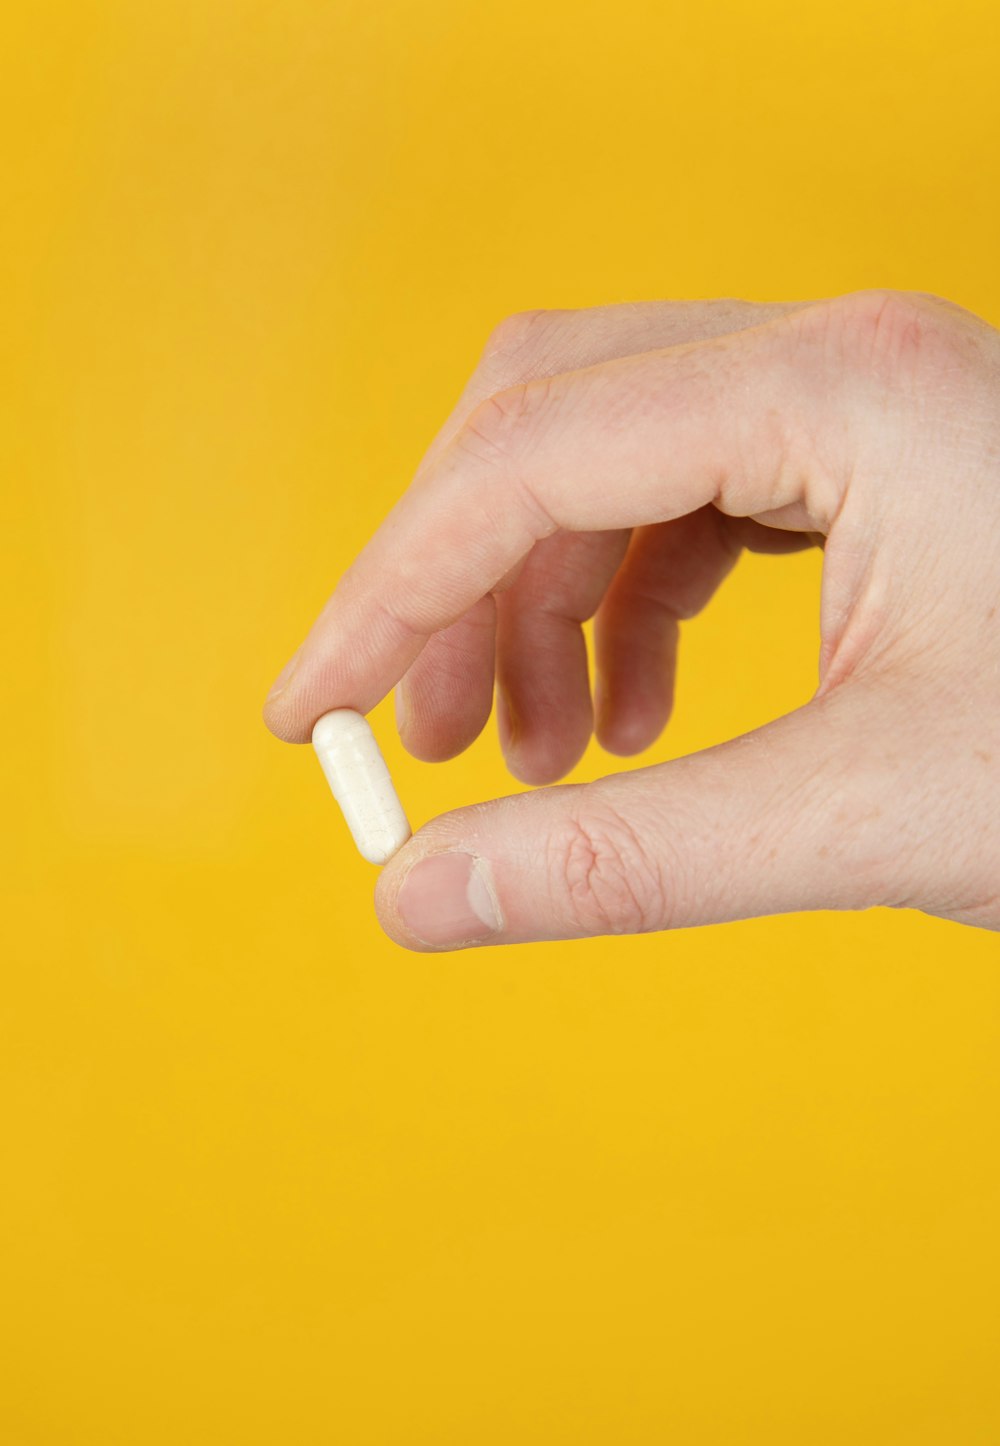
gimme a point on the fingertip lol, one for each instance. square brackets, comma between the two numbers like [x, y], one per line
[540, 757]
[449, 737]
[387, 890]
[413, 742]
[444, 736]
[283, 679]
[625, 740]
[445, 698]
[429, 900]
[275, 712]
[538, 770]
[284, 712]
[388, 918]
[625, 731]
[292, 713]
[286, 728]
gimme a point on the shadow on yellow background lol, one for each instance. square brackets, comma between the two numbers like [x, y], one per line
[266, 1178]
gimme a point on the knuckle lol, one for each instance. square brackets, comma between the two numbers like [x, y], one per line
[515, 339]
[489, 432]
[496, 430]
[920, 368]
[898, 333]
[604, 875]
[890, 323]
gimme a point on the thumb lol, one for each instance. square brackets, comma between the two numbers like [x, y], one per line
[795, 815]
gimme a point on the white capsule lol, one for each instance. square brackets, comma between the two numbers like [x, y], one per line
[355, 770]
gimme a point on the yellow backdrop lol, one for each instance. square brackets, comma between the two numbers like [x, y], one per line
[267, 1178]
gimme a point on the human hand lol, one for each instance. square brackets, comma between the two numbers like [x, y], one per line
[615, 461]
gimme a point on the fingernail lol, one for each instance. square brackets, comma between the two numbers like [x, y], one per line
[402, 709]
[448, 899]
[511, 723]
[281, 681]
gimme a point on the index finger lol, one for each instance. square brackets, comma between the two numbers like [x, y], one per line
[630, 441]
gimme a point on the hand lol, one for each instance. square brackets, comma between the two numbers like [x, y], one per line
[615, 461]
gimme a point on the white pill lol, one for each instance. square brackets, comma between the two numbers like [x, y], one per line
[355, 770]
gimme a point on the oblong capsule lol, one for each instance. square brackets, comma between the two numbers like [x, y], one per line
[356, 772]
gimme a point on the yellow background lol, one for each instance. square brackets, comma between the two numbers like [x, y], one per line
[266, 1178]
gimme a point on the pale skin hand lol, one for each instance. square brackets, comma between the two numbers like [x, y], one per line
[614, 461]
